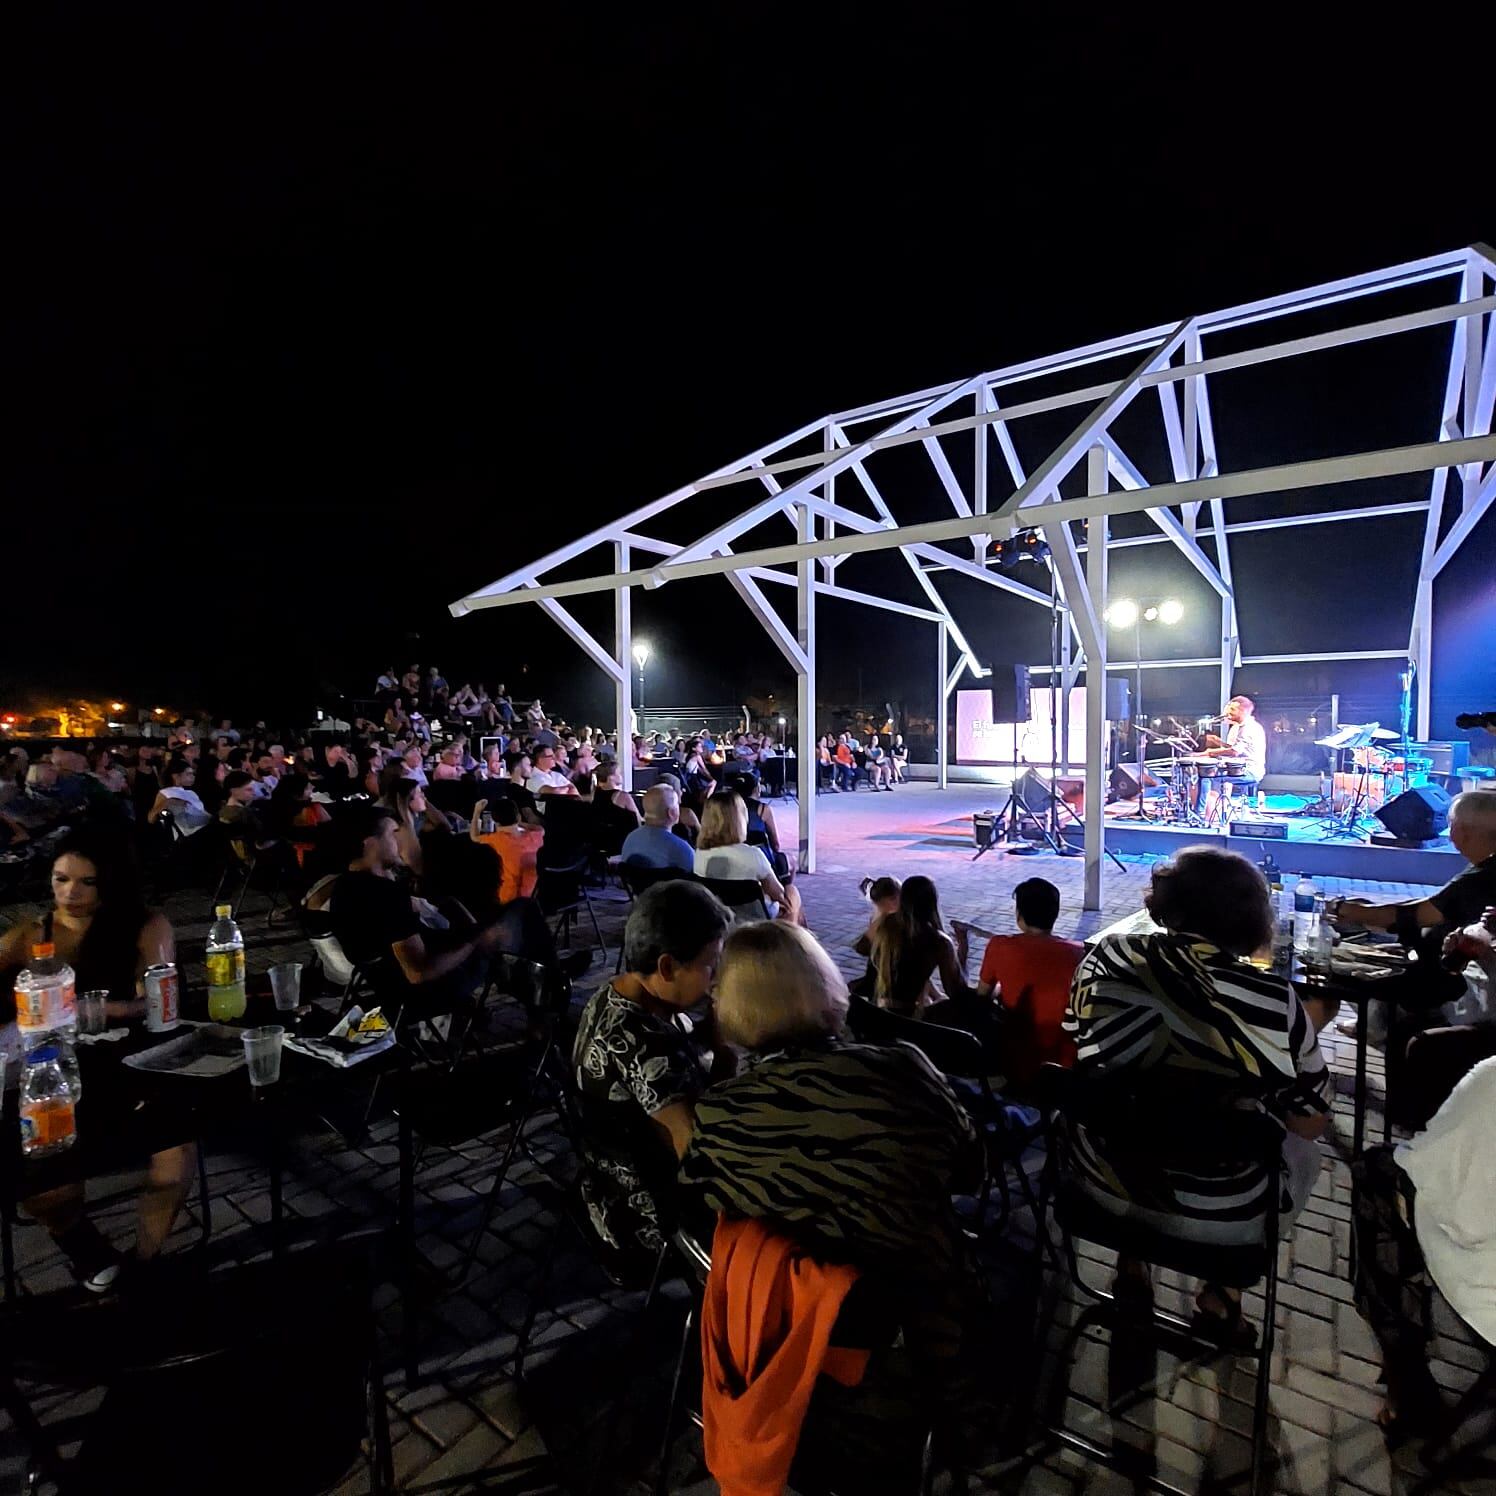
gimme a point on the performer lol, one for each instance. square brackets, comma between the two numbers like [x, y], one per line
[1245, 742]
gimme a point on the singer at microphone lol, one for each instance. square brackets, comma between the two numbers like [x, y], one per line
[1244, 742]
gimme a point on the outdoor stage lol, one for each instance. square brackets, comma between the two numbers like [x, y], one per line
[920, 823]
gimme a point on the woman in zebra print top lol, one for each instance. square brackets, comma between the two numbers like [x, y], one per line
[855, 1147]
[1181, 1025]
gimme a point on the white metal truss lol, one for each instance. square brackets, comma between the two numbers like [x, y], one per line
[797, 478]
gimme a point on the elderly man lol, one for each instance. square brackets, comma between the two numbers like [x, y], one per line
[655, 844]
[1425, 924]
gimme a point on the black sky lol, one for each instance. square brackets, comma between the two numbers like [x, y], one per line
[324, 315]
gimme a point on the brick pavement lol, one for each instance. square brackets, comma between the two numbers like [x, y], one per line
[468, 1425]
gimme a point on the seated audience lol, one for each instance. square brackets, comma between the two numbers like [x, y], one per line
[374, 916]
[517, 844]
[100, 925]
[879, 769]
[1029, 974]
[857, 1148]
[412, 757]
[762, 832]
[545, 778]
[396, 723]
[405, 800]
[899, 756]
[1181, 1026]
[614, 815]
[908, 949]
[846, 764]
[181, 799]
[1423, 925]
[639, 1070]
[722, 851]
[1421, 1216]
[655, 844]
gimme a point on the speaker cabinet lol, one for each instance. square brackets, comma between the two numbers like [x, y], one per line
[1417, 815]
[1010, 694]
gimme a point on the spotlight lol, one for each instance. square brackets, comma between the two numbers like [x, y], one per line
[1150, 614]
[1170, 611]
[1020, 546]
[1122, 614]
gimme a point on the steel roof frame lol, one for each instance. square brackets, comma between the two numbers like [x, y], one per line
[1170, 359]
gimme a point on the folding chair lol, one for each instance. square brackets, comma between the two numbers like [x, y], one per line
[561, 890]
[1008, 1132]
[1135, 1126]
[738, 893]
[853, 1328]
[636, 879]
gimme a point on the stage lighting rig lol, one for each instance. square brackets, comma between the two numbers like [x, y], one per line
[1022, 545]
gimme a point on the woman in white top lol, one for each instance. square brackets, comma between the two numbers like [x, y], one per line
[722, 851]
[179, 797]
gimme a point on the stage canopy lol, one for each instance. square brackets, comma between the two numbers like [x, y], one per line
[822, 481]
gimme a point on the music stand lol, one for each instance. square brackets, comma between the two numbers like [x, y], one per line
[1347, 822]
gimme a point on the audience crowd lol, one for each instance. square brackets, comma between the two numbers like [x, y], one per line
[718, 1077]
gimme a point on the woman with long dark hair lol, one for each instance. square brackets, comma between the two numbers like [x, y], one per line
[909, 948]
[99, 925]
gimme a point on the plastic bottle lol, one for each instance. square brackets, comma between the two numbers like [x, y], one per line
[1321, 941]
[46, 1000]
[1305, 920]
[225, 964]
[1303, 895]
[49, 1121]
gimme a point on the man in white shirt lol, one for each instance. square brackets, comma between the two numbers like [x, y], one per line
[1244, 741]
[545, 779]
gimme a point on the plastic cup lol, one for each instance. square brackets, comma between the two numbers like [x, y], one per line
[285, 985]
[93, 1015]
[262, 1053]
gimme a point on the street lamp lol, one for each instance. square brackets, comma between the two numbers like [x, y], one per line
[641, 658]
[1124, 613]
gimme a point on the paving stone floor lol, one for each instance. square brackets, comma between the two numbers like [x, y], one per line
[586, 1417]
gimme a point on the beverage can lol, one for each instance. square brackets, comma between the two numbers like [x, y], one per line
[161, 997]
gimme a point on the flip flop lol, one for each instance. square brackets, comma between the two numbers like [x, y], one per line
[1229, 1330]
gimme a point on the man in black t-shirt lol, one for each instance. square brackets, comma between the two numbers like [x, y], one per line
[373, 916]
[1413, 1003]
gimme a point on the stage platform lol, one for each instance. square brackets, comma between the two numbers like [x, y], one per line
[920, 817]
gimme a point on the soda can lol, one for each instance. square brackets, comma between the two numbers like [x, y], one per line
[161, 992]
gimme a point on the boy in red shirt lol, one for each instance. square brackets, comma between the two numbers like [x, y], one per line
[1030, 973]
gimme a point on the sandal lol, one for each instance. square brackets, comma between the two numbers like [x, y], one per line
[1226, 1329]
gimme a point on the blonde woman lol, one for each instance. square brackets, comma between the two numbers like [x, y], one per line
[859, 1146]
[722, 851]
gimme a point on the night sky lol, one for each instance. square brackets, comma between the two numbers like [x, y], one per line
[325, 315]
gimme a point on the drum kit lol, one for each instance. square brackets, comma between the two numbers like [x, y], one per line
[1366, 774]
[1182, 775]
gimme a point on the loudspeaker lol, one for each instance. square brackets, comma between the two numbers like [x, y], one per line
[1124, 782]
[1419, 814]
[1032, 793]
[1072, 792]
[1010, 693]
[1118, 699]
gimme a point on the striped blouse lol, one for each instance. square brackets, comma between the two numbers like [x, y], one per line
[1173, 1013]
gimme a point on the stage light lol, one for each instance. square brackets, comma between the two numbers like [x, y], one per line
[1122, 614]
[1170, 611]
[116, 706]
[1150, 614]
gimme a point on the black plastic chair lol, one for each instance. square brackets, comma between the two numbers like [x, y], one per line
[738, 893]
[293, 1337]
[636, 878]
[1147, 1128]
[561, 891]
[873, 1329]
[1007, 1132]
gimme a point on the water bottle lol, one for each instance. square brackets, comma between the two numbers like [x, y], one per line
[225, 962]
[1303, 895]
[1321, 941]
[49, 1120]
[1261, 799]
[46, 1000]
[1283, 931]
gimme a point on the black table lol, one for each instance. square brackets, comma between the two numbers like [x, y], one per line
[126, 1114]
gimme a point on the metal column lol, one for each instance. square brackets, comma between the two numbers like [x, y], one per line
[623, 646]
[805, 691]
[1096, 476]
[942, 708]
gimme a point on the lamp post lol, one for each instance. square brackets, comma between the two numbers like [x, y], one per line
[641, 658]
[1124, 613]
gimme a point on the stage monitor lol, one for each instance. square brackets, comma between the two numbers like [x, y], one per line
[982, 740]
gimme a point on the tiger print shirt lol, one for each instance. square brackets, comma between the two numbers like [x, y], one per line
[1173, 1010]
